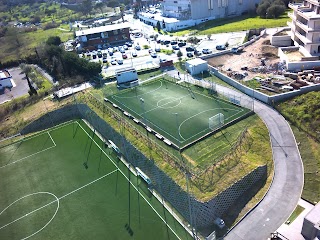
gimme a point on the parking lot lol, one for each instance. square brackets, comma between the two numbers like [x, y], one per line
[20, 86]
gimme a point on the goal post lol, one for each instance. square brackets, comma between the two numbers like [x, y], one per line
[216, 121]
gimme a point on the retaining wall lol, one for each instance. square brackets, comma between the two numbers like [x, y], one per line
[203, 213]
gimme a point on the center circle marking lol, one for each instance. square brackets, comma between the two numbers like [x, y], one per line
[169, 102]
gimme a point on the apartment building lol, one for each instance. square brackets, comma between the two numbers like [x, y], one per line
[305, 26]
[202, 9]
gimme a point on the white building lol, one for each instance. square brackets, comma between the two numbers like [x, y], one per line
[180, 14]
[5, 79]
[201, 9]
[305, 26]
[196, 66]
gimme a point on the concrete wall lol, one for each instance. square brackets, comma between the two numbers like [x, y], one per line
[204, 213]
[280, 41]
[249, 91]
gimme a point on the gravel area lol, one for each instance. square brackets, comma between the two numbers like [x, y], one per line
[250, 57]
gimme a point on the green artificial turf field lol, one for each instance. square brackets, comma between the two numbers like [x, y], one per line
[174, 111]
[64, 183]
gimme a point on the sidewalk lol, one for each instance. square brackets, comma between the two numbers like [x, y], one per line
[293, 230]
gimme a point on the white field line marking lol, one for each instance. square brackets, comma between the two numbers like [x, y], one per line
[76, 190]
[27, 157]
[52, 139]
[132, 185]
[185, 139]
[57, 200]
[151, 91]
[41, 133]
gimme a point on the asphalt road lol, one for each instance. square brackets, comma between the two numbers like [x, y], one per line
[286, 188]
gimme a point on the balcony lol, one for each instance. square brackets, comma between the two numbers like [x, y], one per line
[294, 6]
[303, 26]
[292, 16]
[302, 38]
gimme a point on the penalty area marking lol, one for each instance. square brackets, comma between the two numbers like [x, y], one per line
[27, 214]
[33, 154]
[56, 200]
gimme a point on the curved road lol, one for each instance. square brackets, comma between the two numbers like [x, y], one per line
[286, 188]
[285, 191]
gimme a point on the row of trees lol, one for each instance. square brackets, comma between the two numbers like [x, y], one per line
[65, 66]
[271, 9]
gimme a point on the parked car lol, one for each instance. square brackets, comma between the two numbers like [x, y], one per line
[189, 54]
[104, 55]
[104, 60]
[94, 56]
[221, 47]
[111, 53]
[99, 53]
[113, 61]
[157, 49]
[153, 54]
[206, 51]
[125, 47]
[138, 47]
[219, 222]
[124, 56]
[174, 42]
[190, 49]
[175, 47]
[166, 42]
[134, 54]
[121, 49]
[129, 44]
[181, 44]
[120, 61]
[197, 53]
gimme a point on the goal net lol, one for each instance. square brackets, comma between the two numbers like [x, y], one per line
[216, 121]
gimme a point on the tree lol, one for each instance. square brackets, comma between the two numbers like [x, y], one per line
[275, 10]
[122, 11]
[262, 9]
[113, 4]
[54, 40]
[86, 7]
[179, 54]
[100, 6]
[209, 36]
[158, 26]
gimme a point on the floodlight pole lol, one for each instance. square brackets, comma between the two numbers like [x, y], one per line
[143, 111]
[177, 125]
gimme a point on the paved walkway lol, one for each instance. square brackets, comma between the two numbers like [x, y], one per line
[286, 188]
[293, 230]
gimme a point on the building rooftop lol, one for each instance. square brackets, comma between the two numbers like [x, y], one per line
[314, 214]
[196, 61]
[159, 17]
[102, 29]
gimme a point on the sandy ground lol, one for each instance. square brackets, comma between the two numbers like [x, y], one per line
[250, 57]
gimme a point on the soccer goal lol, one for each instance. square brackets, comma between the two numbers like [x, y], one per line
[216, 121]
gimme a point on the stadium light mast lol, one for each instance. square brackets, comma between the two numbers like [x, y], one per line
[143, 111]
[177, 123]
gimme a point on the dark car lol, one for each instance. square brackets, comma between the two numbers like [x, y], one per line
[166, 42]
[174, 42]
[181, 44]
[220, 47]
[175, 47]
[197, 53]
[189, 54]
[190, 49]
[129, 44]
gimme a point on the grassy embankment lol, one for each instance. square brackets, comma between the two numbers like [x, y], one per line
[240, 23]
[303, 112]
